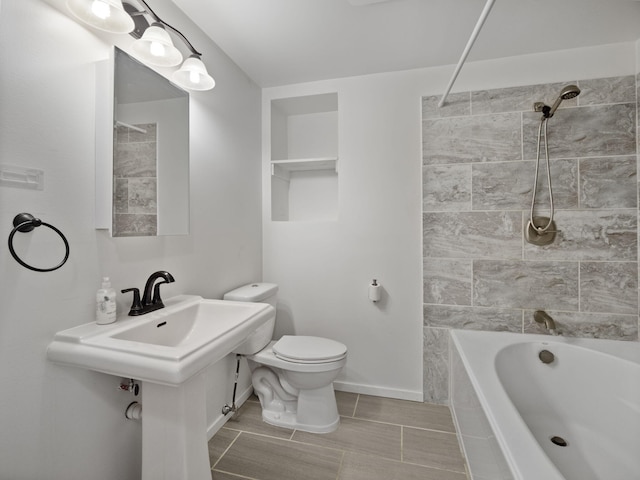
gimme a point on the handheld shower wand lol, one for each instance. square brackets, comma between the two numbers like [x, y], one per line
[535, 233]
[567, 93]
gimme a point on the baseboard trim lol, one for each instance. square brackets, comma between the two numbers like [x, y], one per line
[415, 396]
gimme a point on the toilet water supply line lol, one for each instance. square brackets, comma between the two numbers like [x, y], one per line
[467, 49]
[227, 409]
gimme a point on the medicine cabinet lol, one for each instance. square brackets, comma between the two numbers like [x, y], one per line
[142, 150]
[304, 158]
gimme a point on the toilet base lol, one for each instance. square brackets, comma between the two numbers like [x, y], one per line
[317, 412]
[289, 420]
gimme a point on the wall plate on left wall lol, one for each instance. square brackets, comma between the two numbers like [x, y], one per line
[21, 177]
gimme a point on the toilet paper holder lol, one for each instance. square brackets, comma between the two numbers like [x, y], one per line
[374, 291]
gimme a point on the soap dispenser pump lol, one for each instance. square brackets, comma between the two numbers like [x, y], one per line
[105, 303]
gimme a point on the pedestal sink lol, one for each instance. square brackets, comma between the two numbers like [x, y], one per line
[167, 351]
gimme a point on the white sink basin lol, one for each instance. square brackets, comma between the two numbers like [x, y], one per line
[167, 346]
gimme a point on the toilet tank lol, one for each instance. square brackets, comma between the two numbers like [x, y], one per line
[254, 292]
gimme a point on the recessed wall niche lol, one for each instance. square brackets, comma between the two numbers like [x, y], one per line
[304, 158]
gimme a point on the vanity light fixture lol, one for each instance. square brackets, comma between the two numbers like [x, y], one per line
[155, 47]
[106, 15]
[193, 75]
[153, 43]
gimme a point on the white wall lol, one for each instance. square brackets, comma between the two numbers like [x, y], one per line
[323, 268]
[65, 423]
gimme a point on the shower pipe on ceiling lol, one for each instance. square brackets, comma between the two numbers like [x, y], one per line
[467, 49]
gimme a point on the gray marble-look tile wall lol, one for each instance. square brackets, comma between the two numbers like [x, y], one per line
[135, 205]
[479, 154]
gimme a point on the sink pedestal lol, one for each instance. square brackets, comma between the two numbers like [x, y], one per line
[174, 431]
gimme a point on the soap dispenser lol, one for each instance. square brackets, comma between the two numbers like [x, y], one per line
[105, 303]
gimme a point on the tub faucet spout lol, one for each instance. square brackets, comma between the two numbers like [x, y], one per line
[543, 318]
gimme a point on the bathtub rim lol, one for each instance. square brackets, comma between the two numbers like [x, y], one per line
[477, 351]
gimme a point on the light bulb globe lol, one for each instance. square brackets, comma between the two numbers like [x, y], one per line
[193, 75]
[156, 48]
[105, 15]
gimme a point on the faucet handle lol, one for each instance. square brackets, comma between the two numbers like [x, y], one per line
[136, 306]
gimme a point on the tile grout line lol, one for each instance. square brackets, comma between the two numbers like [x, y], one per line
[355, 407]
[226, 450]
[258, 434]
[292, 440]
[344, 452]
[432, 429]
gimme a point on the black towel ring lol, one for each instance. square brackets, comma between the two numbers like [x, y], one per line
[25, 222]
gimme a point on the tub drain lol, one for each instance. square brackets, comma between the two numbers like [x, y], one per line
[561, 442]
[546, 356]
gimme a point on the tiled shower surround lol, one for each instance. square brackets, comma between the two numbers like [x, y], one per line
[479, 154]
[135, 205]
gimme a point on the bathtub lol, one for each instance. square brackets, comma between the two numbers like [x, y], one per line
[576, 418]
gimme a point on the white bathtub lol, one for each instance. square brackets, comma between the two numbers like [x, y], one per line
[508, 406]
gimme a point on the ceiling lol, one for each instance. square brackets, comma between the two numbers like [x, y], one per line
[280, 42]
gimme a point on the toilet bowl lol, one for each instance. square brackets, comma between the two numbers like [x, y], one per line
[293, 376]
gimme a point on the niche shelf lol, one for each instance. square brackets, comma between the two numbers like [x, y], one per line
[304, 158]
[285, 167]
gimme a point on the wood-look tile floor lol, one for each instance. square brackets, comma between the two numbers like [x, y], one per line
[378, 439]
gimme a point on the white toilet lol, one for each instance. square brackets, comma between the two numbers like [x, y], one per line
[293, 377]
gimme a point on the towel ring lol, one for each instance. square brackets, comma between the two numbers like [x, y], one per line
[25, 222]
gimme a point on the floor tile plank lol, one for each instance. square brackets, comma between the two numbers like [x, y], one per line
[405, 412]
[364, 467]
[432, 448]
[268, 458]
[358, 436]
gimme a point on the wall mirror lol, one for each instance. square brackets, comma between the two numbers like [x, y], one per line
[142, 142]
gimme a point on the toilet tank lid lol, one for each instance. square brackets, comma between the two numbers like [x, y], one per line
[253, 292]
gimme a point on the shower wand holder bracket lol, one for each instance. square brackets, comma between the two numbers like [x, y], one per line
[542, 107]
[540, 239]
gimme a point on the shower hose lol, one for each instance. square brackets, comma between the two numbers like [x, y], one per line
[538, 229]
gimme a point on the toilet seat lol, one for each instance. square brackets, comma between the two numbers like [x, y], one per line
[306, 349]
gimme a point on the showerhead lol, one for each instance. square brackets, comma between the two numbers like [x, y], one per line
[567, 93]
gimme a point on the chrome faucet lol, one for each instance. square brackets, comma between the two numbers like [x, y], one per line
[543, 318]
[149, 302]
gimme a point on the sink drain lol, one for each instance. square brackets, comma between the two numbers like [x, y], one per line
[561, 442]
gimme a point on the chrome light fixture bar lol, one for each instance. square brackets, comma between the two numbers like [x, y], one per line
[153, 43]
